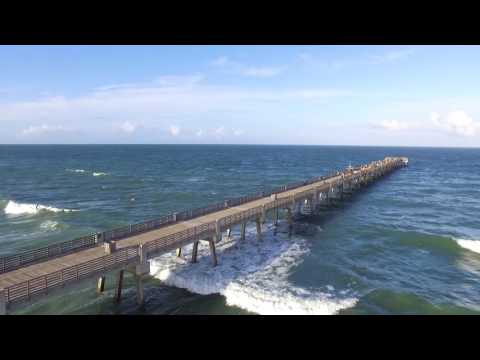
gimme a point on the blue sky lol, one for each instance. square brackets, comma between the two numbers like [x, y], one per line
[319, 95]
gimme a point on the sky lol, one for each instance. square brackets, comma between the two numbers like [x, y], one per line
[312, 95]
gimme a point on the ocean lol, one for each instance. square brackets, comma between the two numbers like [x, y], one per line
[408, 244]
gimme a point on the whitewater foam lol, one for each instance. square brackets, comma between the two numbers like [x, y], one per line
[99, 174]
[49, 225]
[252, 275]
[76, 170]
[472, 245]
[14, 208]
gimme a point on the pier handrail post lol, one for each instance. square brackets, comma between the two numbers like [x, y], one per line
[218, 231]
[3, 302]
[142, 253]
[99, 238]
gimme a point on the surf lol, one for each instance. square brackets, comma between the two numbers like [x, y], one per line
[252, 275]
[16, 208]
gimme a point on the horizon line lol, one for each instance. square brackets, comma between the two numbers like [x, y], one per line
[190, 144]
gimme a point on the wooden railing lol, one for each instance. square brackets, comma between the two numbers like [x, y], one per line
[43, 284]
[16, 261]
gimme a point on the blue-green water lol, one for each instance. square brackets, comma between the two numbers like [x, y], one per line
[409, 244]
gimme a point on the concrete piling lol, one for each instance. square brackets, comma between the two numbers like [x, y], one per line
[213, 252]
[258, 221]
[142, 269]
[140, 293]
[100, 285]
[243, 226]
[195, 252]
[3, 302]
[118, 288]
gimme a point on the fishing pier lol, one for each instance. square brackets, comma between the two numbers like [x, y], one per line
[33, 274]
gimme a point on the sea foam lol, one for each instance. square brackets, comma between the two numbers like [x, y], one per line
[14, 208]
[76, 170]
[99, 174]
[472, 245]
[252, 275]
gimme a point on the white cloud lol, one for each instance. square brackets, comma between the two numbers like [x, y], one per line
[221, 61]
[262, 71]
[174, 130]
[393, 125]
[392, 56]
[247, 70]
[104, 113]
[456, 122]
[220, 131]
[128, 127]
[387, 57]
[238, 132]
[43, 129]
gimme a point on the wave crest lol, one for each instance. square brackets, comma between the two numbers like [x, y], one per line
[472, 245]
[252, 275]
[14, 208]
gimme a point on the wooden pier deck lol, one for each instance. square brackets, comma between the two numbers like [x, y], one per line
[33, 274]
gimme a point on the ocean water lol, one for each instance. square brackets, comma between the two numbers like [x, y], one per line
[408, 244]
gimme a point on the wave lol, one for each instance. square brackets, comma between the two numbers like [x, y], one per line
[49, 225]
[76, 170]
[14, 208]
[252, 275]
[82, 171]
[472, 245]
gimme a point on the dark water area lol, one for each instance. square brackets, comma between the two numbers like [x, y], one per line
[408, 244]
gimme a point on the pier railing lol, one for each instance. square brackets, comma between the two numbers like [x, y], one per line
[43, 284]
[16, 261]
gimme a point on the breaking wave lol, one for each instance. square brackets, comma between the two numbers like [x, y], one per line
[252, 275]
[99, 174]
[14, 208]
[472, 245]
[76, 170]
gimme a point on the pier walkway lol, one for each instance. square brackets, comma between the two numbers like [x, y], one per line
[36, 273]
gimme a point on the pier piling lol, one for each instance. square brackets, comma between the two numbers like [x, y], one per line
[118, 288]
[3, 302]
[243, 226]
[194, 252]
[258, 221]
[213, 252]
[100, 285]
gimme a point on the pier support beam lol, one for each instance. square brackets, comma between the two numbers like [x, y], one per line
[100, 285]
[179, 252]
[275, 216]
[289, 218]
[258, 221]
[3, 302]
[140, 293]
[229, 233]
[243, 226]
[218, 232]
[213, 252]
[118, 288]
[141, 270]
[194, 252]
